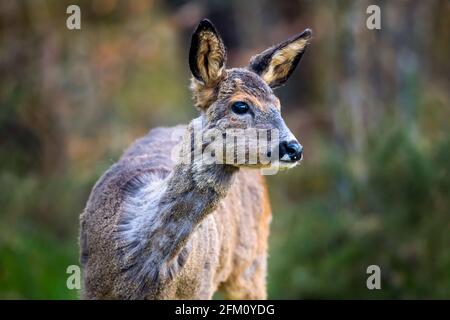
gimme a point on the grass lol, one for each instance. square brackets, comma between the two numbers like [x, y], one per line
[33, 264]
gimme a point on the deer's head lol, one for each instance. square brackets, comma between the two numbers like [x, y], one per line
[243, 98]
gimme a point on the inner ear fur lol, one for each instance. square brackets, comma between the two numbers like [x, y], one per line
[276, 64]
[207, 54]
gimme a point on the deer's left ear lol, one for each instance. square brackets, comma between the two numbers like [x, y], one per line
[276, 64]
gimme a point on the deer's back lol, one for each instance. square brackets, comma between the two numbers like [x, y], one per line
[228, 241]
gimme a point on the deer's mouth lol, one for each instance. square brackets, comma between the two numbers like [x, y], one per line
[284, 165]
[287, 162]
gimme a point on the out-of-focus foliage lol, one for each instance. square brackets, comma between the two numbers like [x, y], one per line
[370, 107]
[338, 219]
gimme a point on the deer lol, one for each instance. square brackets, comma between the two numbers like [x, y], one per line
[158, 228]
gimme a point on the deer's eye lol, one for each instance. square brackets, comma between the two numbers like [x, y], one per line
[240, 107]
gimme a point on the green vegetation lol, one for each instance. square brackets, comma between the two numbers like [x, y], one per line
[335, 223]
[33, 264]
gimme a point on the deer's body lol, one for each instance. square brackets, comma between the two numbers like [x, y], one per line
[227, 249]
[156, 227]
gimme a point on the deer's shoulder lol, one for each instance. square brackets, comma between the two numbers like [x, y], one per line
[149, 157]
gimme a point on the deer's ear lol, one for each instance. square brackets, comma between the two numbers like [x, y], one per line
[276, 64]
[207, 54]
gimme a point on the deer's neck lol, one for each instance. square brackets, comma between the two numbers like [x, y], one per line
[193, 191]
[194, 188]
[162, 215]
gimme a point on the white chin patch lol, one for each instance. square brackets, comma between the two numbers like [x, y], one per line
[285, 165]
[285, 158]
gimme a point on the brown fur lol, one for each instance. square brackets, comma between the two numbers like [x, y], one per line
[203, 96]
[210, 57]
[276, 64]
[282, 61]
[242, 96]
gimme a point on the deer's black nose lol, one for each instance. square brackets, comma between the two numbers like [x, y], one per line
[290, 151]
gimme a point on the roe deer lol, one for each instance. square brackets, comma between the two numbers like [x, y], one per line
[157, 228]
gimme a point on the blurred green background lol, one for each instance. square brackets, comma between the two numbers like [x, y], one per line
[371, 108]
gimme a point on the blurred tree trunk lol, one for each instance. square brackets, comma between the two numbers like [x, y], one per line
[376, 70]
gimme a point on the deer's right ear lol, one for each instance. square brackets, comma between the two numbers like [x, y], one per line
[276, 64]
[207, 54]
